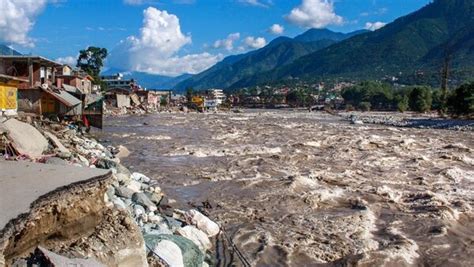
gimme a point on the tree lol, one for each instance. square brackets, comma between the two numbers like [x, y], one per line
[402, 104]
[91, 60]
[461, 102]
[420, 99]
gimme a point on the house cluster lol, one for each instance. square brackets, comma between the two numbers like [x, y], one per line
[126, 94]
[295, 94]
[37, 86]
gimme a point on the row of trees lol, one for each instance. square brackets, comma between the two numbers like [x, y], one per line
[380, 96]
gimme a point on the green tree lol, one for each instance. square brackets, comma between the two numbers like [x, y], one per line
[461, 101]
[402, 104]
[420, 99]
[91, 60]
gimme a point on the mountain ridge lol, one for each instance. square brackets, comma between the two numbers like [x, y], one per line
[231, 71]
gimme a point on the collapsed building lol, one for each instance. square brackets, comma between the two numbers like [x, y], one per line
[38, 86]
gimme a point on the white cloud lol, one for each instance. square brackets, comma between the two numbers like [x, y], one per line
[227, 43]
[138, 2]
[373, 26]
[17, 18]
[259, 3]
[255, 43]
[314, 14]
[276, 29]
[71, 61]
[156, 49]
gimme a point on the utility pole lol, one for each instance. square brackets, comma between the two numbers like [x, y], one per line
[444, 80]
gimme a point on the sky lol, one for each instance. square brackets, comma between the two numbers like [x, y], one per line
[172, 37]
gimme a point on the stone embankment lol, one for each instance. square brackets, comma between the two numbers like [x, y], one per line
[67, 198]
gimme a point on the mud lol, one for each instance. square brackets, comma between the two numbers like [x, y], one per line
[304, 189]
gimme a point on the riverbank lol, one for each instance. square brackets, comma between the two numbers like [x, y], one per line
[409, 120]
[131, 219]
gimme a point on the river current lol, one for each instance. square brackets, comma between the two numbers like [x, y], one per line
[294, 188]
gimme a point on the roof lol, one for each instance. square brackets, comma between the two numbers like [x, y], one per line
[64, 97]
[72, 89]
[34, 58]
[8, 77]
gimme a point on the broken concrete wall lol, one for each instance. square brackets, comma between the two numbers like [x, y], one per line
[123, 100]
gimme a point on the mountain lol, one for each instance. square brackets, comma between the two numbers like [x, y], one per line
[235, 70]
[413, 43]
[7, 51]
[150, 81]
[320, 34]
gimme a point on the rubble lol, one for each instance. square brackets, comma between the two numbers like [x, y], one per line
[25, 139]
[132, 201]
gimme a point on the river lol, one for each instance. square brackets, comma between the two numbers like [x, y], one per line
[294, 188]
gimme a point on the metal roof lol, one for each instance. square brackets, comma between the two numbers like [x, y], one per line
[34, 58]
[64, 97]
[72, 89]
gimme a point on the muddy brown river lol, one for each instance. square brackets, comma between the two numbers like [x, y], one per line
[294, 188]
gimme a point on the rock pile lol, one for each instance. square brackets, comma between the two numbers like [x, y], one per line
[173, 237]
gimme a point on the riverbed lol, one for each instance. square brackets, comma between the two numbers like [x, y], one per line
[293, 188]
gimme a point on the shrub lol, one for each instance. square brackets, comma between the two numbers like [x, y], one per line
[365, 106]
[402, 104]
[420, 99]
[461, 101]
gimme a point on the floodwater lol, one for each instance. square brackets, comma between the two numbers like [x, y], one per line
[294, 188]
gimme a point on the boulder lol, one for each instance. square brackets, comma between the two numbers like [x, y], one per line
[169, 252]
[134, 186]
[140, 177]
[197, 236]
[154, 197]
[122, 178]
[141, 199]
[105, 163]
[124, 192]
[26, 139]
[119, 204]
[202, 222]
[190, 254]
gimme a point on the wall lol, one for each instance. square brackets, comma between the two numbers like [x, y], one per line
[29, 101]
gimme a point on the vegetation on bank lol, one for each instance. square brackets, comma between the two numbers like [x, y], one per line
[372, 95]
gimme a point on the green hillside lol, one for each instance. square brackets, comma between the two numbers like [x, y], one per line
[235, 71]
[414, 43]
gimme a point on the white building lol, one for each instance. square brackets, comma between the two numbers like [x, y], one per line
[218, 95]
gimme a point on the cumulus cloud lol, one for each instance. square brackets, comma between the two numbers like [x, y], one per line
[71, 61]
[276, 29]
[255, 42]
[373, 26]
[156, 49]
[227, 43]
[17, 18]
[259, 3]
[314, 14]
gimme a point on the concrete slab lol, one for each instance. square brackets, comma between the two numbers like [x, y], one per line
[21, 183]
[26, 139]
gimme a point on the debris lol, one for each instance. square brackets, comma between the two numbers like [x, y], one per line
[26, 139]
[202, 222]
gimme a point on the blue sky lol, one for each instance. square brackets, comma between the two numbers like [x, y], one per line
[199, 32]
